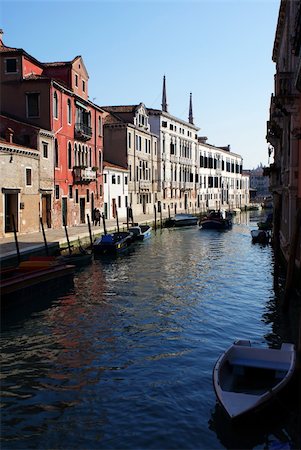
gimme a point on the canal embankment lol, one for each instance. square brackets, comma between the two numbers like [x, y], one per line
[56, 240]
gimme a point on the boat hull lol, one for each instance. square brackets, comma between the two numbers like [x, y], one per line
[140, 232]
[182, 220]
[260, 236]
[113, 243]
[223, 224]
[25, 282]
[247, 379]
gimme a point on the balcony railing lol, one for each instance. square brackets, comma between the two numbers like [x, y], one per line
[83, 175]
[145, 184]
[82, 131]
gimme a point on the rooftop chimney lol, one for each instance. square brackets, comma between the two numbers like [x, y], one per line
[1, 37]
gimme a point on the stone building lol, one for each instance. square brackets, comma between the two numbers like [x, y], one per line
[284, 132]
[26, 173]
[129, 143]
[178, 156]
[220, 180]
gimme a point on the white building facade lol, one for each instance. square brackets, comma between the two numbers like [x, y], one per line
[178, 155]
[221, 183]
[115, 182]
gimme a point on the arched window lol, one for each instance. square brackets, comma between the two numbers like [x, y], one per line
[90, 157]
[55, 105]
[76, 163]
[69, 111]
[69, 156]
[80, 161]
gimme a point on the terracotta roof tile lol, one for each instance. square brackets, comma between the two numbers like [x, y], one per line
[4, 49]
[120, 109]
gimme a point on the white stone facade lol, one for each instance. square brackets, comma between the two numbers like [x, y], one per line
[115, 191]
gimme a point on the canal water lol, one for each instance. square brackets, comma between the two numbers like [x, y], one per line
[124, 359]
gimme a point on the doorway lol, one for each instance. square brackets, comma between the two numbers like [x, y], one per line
[82, 206]
[11, 212]
[114, 207]
[46, 210]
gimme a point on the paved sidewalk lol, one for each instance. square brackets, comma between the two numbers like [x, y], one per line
[34, 242]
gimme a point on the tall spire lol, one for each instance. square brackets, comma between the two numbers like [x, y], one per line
[190, 117]
[164, 99]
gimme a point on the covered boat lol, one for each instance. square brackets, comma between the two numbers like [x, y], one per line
[216, 220]
[113, 243]
[181, 220]
[260, 236]
[140, 232]
[246, 378]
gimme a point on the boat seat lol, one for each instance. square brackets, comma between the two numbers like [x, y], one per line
[260, 363]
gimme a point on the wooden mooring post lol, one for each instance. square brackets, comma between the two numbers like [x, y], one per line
[44, 237]
[90, 232]
[155, 214]
[16, 239]
[67, 237]
[104, 224]
[117, 221]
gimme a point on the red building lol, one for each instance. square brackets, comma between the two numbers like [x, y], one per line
[54, 96]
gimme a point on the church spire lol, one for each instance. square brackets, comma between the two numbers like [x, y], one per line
[164, 99]
[190, 117]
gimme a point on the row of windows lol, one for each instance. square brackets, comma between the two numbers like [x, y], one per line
[33, 110]
[82, 155]
[213, 163]
[173, 127]
[139, 140]
[74, 192]
[115, 179]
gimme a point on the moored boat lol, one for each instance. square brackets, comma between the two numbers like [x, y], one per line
[181, 220]
[260, 236]
[247, 378]
[113, 243]
[20, 283]
[266, 224]
[140, 232]
[216, 220]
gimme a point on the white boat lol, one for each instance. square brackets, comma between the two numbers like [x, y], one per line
[246, 378]
[140, 232]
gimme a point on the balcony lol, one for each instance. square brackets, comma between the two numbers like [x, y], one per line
[274, 132]
[82, 131]
[144, 184]
[83, 175]
[283, 84]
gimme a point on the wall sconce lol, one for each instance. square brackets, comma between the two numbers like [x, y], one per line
[11, 158]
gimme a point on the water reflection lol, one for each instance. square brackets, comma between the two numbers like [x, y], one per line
[124, 359]
[267, 432]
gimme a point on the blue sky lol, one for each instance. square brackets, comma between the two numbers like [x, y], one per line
[220, 50]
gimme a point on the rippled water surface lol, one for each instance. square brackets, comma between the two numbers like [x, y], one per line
[124, 360]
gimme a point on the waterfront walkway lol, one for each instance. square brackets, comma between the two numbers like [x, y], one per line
[31, 243]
